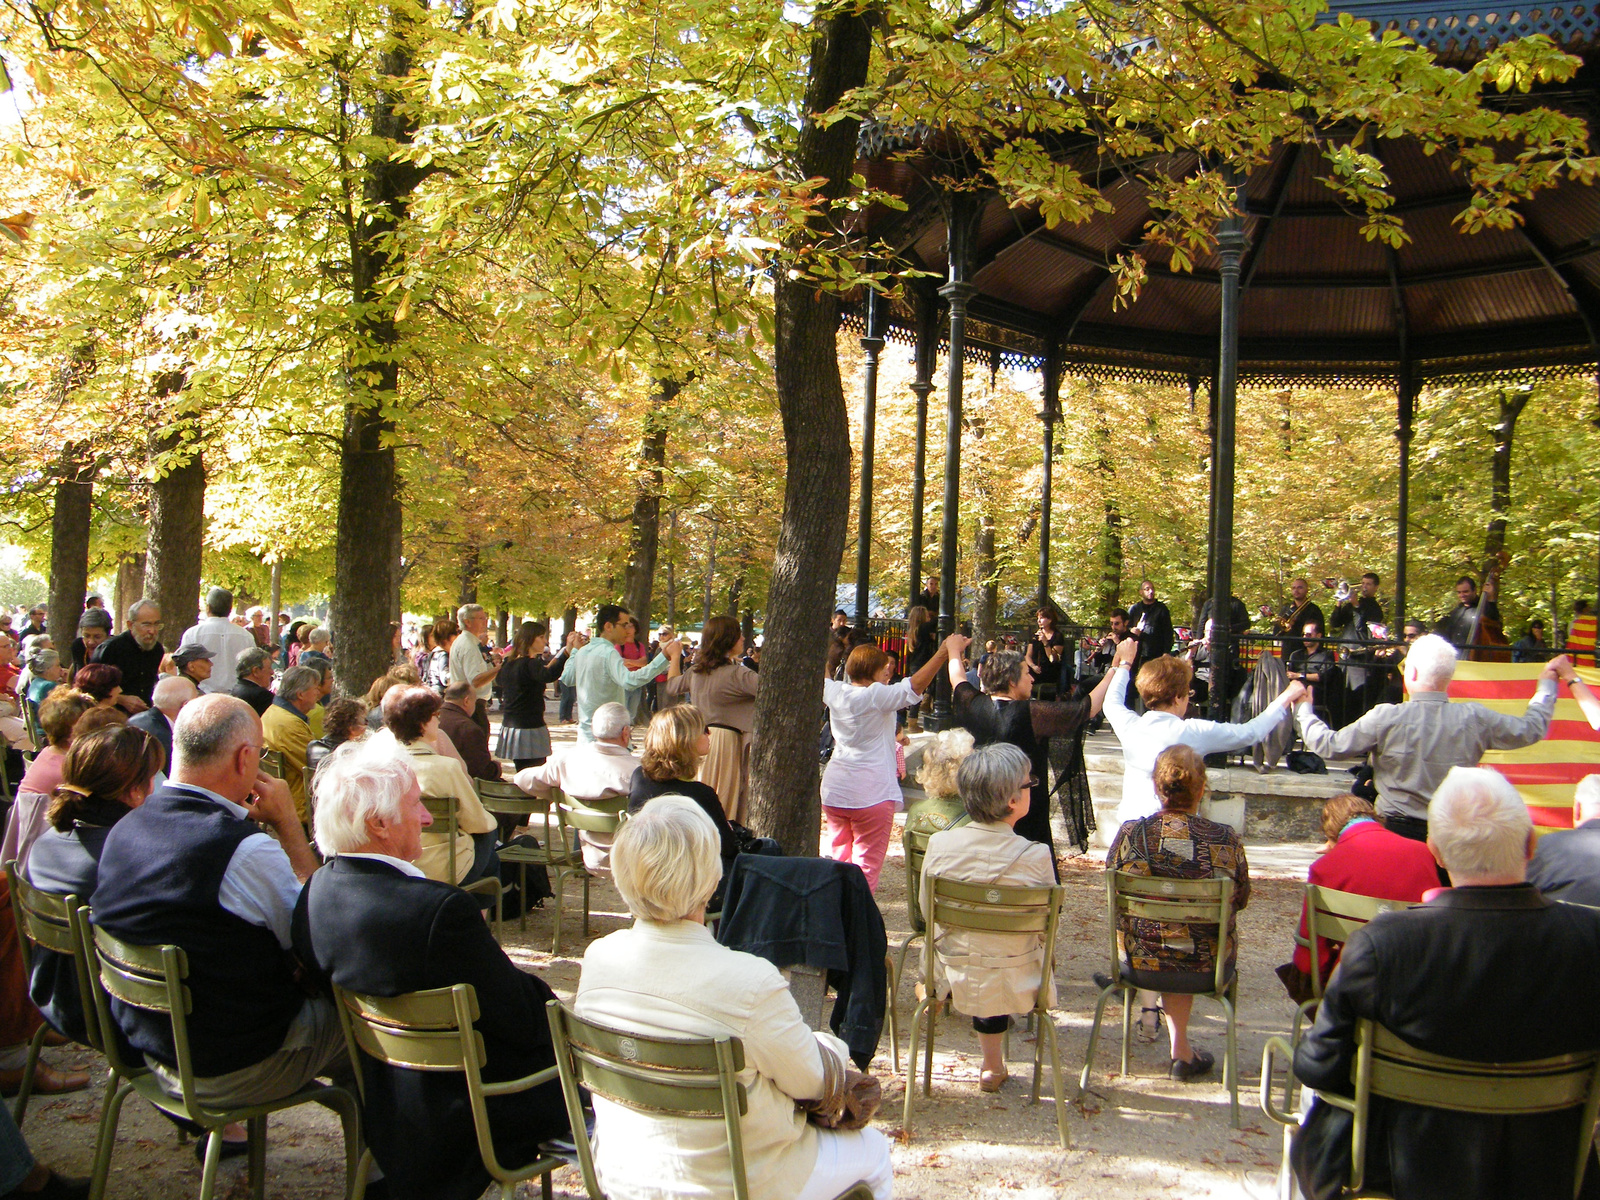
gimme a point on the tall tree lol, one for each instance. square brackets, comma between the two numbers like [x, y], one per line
[644, 529]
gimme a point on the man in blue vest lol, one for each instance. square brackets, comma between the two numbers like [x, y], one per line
[191, 868]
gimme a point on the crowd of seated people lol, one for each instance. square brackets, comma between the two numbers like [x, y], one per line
[159, 824]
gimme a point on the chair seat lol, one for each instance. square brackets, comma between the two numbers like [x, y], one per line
[1175, 986]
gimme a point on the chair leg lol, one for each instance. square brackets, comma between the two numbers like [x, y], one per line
[911, 1064]
[208, 1176]
[117, 1090]
[586, 904]
[358, 1177]
[1049, 1029]
[1094, 1037]
[546, 1189]
[522, 882]
[20, 1108]
[560, 887]
[1230, 1062]
[894, 1018]
[257, 1127]
[1038, 1059]
[927, 1062]
[1127, 1026]
[356, 1156]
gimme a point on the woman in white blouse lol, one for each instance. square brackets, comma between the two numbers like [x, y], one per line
[1163, 685]
[667, 977]
[861, 786]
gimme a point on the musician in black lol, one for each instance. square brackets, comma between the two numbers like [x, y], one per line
[1358, 620]
[1293, 616]
[1354, 615]
[1459, 624]
[1152, 624]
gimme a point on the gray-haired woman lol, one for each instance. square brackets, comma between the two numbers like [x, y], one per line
[989, 976]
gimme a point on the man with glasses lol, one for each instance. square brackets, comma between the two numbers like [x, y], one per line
[136, 651]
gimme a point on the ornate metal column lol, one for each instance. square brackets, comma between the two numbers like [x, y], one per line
[927, 352]
[871, 345]
[1406, 403]
[1230, 246]
[1050, 414]
[957, 292]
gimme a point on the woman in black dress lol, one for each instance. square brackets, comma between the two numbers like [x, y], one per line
[1049, 659]
[1005, 712]
[523, 677]
[922, 642]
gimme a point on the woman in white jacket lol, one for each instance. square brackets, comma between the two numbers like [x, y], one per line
[667, 977]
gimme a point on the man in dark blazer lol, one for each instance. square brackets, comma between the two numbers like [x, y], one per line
[1486, 970]
[171, 693]
[457, 723]
[1566, 865]
[369, 921]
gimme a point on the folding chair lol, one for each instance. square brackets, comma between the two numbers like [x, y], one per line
[1393, 1069]
[272, 763]
[1332, 916]
[508, 800]
[695, 1078]
[578, 818]
[446, 811]
[433, 1031]
[30, 722]
[992, 908]
[49, 922]
[915, 844]
[1186, 901]
[152, 978]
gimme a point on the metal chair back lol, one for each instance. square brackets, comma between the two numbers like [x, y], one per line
[1184, 901]
[1334, 916]
[50, 921]
[507, 799]
[272, 763]
[693, 1078]
[149, 978]
[30, 723]
[1389, 1067]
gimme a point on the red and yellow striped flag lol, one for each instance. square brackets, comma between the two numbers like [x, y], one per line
[1547, 772]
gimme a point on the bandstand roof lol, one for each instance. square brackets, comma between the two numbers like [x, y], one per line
[1319, 302]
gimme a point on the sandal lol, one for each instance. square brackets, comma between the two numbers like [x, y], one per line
[1151, 1032]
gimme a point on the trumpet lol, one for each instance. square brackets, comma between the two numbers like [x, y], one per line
[1341, 589]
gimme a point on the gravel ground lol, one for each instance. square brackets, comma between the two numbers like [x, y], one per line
[1143, 1136]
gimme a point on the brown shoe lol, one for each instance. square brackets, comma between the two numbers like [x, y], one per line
[990, 1081]
[47, 1081]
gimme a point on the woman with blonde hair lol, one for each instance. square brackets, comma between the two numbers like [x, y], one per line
[724, 690]
[674, 745]
[1178, 959]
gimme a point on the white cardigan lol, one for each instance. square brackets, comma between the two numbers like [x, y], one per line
[675, 981]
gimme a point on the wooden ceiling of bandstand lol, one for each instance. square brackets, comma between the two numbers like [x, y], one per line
[1319, 301]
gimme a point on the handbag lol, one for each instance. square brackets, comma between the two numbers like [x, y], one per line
[1304, 762]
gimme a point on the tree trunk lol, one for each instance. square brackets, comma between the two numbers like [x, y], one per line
[365, 560]
[785, 802]
[672, 570]
[502, 626]
[1511, 405]
[128, 588]
[470, 571]
[177, 531]
[1110, 540]
[276, 594]
[644, 532]
[986, 583]
[735, 590]
[69, 543]
[711, 575]
[747, 626]
[569, 621]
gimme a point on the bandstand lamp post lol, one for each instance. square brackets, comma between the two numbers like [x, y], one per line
[872, 347]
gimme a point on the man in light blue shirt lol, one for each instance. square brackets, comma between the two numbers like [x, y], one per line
[598, 673]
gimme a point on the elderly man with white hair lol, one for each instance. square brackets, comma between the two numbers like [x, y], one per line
[1566, 865]
[171, 693]
[1487, 970]
[666, 976]
[370, 921]
[589, 772]
[467, 663]
[1415, 744]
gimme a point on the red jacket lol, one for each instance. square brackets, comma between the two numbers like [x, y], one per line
[1369, 861]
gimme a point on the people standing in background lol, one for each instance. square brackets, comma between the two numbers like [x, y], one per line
[1151, 622]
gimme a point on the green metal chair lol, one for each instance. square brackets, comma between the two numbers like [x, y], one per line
[1185, 901]
[992, 908]
[1393, 1069]
[914, 842]
[695, 1078]
[272, 763]
[30, 722]
[152, 978]
[446, 813]
[1332, 916]
[508, 800]
[49, 921]
[575, 819]
[433, 1031]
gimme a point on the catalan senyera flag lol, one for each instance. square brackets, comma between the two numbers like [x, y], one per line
[1547, 772]
[1580, 640]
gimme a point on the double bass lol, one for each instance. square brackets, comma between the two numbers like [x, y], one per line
[1488, 641]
